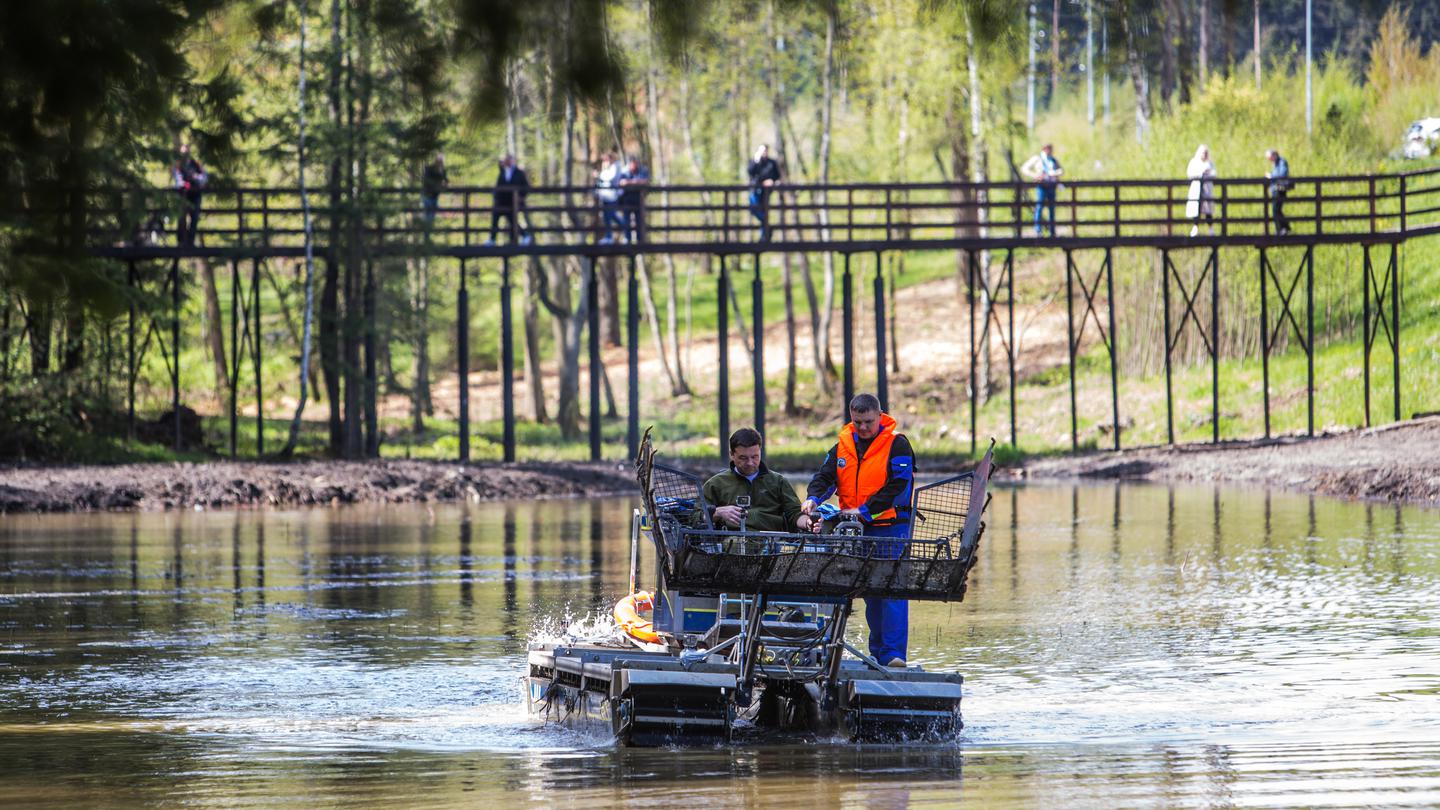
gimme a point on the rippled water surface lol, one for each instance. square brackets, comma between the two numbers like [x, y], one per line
[1122, 646]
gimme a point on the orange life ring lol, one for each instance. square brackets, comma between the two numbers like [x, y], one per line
[627, 616]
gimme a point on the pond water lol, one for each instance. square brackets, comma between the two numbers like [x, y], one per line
[1122, 646]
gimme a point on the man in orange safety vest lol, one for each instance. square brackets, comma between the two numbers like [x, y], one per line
[871, 472]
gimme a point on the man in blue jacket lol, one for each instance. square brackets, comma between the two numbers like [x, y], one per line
[1279, 177]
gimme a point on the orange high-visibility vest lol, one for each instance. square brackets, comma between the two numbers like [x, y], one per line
[856, 478]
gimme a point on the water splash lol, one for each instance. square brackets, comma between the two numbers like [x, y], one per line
[596, 627]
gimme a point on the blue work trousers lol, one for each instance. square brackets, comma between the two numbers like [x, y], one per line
[888, 619]
[1045, 198]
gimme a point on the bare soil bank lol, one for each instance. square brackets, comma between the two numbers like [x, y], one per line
[1399, 462]
[237, 484]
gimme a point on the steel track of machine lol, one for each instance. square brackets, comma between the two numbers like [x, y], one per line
[748, 634]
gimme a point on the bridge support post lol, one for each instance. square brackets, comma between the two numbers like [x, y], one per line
[970, 279]
[1215, 347]
[462, 358]
[632, 360]
[592, 307]
[1091, 291]
[1264, 268]
[1270, 332]
[1395, 321]
[847, 323]
[372, 383]
[1310, 340]
[757, 303]
[257, 355]
[507, 363]
[1114, 372]
[882, 380]
[130, 353]
[234, 351]
[1010, 343]
[1165, 304]
[1070, 344]
[722, 348]
[175, 347]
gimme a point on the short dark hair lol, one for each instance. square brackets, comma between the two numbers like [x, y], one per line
[864, 403]
[744, 437]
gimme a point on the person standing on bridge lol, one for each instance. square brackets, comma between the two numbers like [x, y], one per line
[871, 470]
[634, 179]
[432, 182]
[189, 179]
[511, 186]
[607, 193]
[1200, 201]
[1279, 177]
[1044, 169]
[764, 174]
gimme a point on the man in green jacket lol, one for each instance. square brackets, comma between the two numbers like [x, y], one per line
[774, 506]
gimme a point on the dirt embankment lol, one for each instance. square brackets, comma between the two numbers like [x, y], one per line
[1399, 462]
[238, 484]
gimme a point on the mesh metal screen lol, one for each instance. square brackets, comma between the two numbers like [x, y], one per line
[678, 495]
[941, 508]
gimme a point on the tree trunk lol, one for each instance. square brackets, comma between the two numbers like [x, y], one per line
[652, 317]
[282, 298]
[420, 401]
[290, 442]
[827, 304]
[1204, 41]
[659, 158]
[980, 175]
[1054, 54]
[1177, 46]
[41, 324]
[372, 291]
[1137, 72]
[609, 301]
[330, 325]
[215, 327]
[1168, 53]
[777, 112]
[534, 382]
[1259, 57]
[330, 348]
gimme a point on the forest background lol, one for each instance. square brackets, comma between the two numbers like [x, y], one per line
[359, 95]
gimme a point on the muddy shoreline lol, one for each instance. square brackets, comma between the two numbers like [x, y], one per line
[1397, 463]
[230, 484]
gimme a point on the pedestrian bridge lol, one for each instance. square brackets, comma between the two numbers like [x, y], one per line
[716, 219]
[984, 222]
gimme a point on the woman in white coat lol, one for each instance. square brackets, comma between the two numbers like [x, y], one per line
[1200, 202]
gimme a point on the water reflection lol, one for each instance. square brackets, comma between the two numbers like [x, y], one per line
[1121, 645]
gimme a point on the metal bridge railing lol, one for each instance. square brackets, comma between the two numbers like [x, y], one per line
[680, 217]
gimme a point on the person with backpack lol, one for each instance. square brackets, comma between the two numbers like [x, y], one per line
[189, 179]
